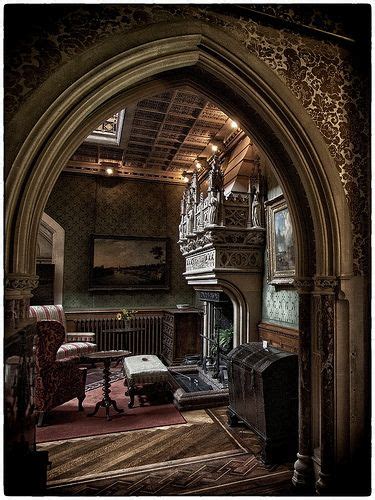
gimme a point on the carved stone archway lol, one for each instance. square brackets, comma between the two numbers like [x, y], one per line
[165, 56]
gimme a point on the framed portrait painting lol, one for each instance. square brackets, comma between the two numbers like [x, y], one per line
[129, 263]
[280, 243]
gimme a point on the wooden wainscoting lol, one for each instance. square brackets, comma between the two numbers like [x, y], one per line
[279, 336]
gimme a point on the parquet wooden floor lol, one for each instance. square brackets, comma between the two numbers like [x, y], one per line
[202, 457]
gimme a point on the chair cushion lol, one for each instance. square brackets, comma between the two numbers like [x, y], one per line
[75, 350]
[145, 369]
[80, 337]
[50, 312]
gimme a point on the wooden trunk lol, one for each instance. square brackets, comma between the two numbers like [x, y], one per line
[263, 393]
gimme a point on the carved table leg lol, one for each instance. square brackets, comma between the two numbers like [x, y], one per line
[106, 402]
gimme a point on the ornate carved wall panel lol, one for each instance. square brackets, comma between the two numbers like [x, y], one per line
[201, 262]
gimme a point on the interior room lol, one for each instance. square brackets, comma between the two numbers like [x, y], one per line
[187, 249]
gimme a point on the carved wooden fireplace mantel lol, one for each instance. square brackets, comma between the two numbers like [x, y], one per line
[222, 238]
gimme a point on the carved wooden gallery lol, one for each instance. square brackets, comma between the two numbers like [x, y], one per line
[187, 249]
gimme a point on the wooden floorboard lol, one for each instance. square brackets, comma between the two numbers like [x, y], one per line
[202, 457]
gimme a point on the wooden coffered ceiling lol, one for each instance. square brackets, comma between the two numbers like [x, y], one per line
[157, 137]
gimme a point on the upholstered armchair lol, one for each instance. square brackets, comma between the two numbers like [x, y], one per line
[56, 380]
[75, 344]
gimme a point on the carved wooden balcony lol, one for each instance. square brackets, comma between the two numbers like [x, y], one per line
[221, 236]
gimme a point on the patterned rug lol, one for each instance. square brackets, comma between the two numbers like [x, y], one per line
[66, 422]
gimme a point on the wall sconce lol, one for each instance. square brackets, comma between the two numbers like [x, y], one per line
[109, 170]
[186, 176]
[234, 124]
[216, 145]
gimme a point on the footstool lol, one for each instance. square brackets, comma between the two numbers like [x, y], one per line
[144, 370]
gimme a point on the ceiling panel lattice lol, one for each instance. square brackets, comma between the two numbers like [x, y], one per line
[166, 132]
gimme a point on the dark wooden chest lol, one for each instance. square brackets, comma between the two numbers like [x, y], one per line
[263, 393]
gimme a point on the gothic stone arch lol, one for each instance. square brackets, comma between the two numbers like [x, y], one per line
[166, 55]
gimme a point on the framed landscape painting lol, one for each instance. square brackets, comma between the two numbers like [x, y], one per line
[129, 263]
[280, 244]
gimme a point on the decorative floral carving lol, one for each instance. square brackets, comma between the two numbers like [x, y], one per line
[303, 284]
[201, 261]
[22, 282]
[240, 259]
[235, 217]
[327, 283]
[237, 198]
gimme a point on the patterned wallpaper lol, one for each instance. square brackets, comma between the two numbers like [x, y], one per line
[324, 76]
[86, 204]
[278, 306]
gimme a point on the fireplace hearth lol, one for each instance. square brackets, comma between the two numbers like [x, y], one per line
[194, 389]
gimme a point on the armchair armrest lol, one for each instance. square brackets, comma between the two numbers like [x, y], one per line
[80, 337]
[57, 366]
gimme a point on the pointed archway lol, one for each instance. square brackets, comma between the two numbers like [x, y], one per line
[215, 65]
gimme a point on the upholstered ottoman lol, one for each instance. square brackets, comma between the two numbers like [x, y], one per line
[142, 371]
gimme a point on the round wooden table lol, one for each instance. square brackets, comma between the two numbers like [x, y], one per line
[106, 357]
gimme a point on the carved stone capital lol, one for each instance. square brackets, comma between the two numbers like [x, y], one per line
[21, 282]
[326, 284]
[303, 284]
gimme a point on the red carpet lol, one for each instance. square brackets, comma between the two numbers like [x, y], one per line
[66, 422]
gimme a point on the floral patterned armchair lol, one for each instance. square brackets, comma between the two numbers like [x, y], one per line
[56, 380]
[75, 344]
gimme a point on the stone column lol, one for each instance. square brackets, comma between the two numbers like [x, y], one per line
[326, 287]
[303, 476]
[17, 300]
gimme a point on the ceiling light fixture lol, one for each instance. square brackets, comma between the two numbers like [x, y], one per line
[109, 170]
[214, 148]
[198, 165]
[234, 124]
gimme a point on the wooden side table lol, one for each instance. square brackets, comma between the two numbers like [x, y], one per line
[106, 357]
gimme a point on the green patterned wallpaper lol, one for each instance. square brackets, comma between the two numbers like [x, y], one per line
[83, 205]
[278, 306]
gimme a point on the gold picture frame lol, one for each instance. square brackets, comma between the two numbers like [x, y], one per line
[280, 243]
